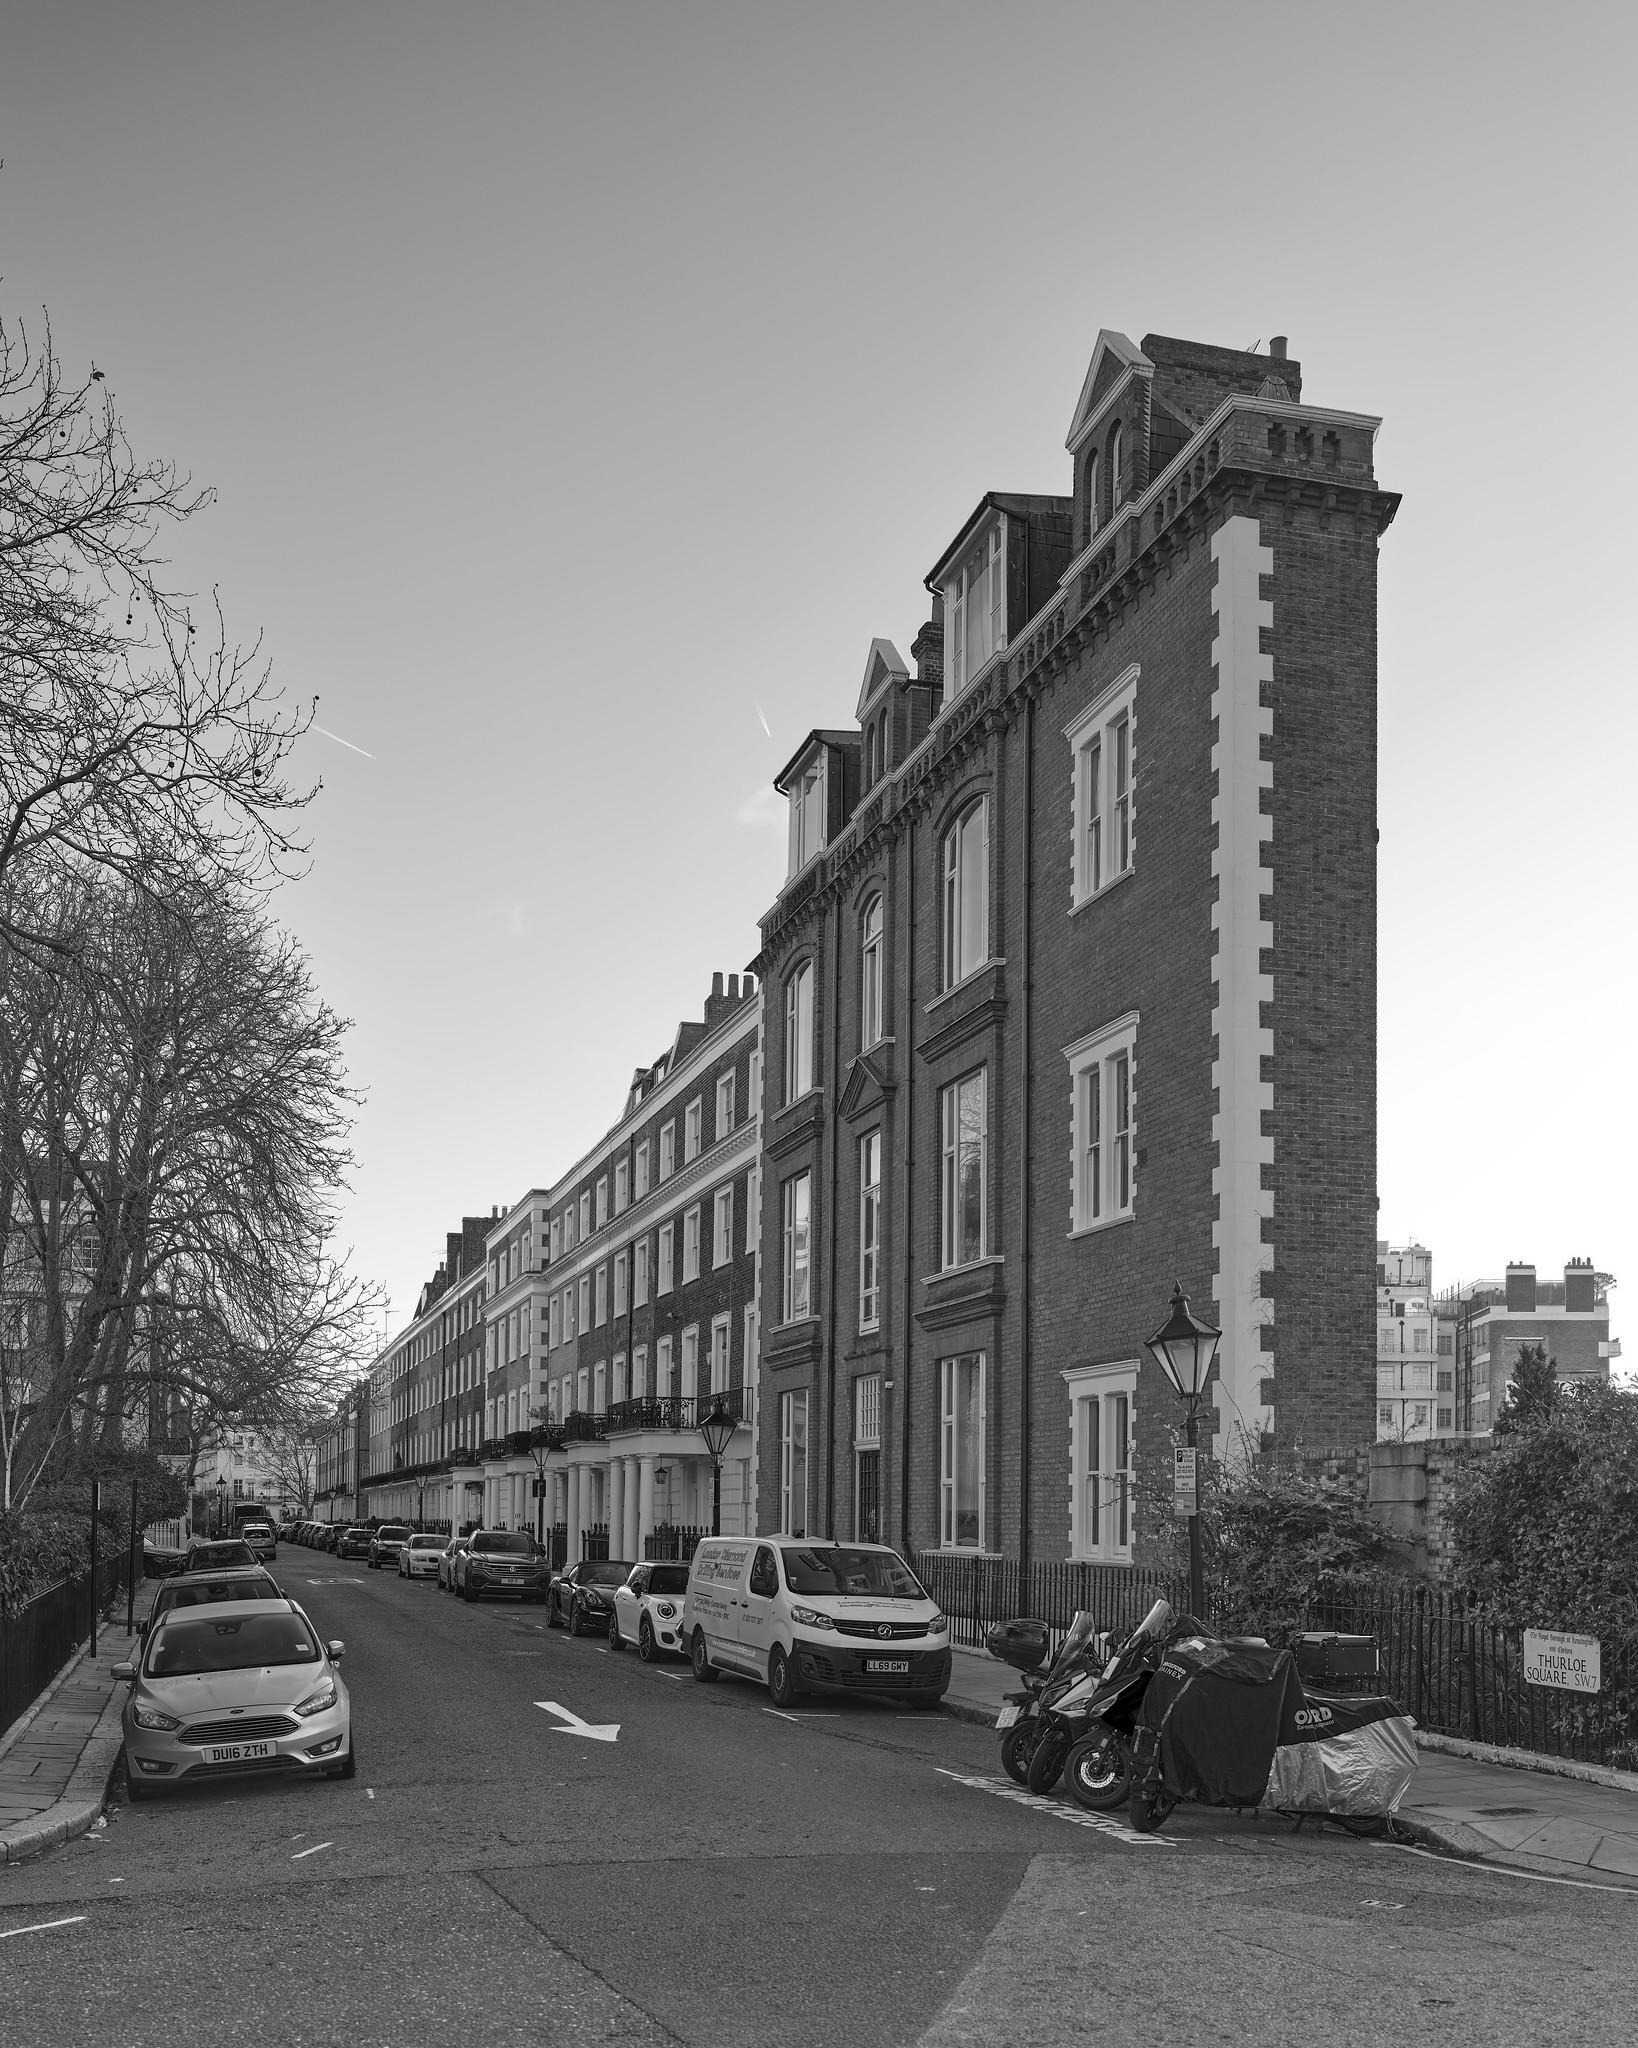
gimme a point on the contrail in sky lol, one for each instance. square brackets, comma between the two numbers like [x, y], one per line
[765, 726]
[340, 742]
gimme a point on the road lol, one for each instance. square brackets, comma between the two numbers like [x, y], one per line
[722, 1875]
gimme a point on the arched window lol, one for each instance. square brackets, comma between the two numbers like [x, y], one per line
[1117, 452]
[1093, 509]
[870, 974]
[799, 1032]
[965, 895]
[870, 754]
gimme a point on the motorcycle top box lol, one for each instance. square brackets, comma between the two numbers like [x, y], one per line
[1022, 1644]
[1326, 1658]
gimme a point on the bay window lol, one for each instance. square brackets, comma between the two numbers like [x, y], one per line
[975, 607]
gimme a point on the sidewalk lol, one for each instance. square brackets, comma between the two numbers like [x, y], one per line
[57, 1759]
[1516, 1813]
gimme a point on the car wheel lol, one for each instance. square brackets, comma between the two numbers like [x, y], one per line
[348, 1766]
[617, 1641]
[553, 1618]
[645, 1640]
[574, 1617]
[470, 1594]
[704, 1670]
[783, 1689]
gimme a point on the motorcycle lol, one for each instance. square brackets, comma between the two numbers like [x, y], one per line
[1088, 1731]
[1024, 1644]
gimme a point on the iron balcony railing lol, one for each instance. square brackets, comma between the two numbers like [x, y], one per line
[673, 1411]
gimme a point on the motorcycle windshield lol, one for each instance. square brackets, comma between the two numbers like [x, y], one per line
[1154, 1624]
[1080, 1634]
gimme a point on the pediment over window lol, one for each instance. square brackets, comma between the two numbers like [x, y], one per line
[870, 1082]
[885, 664]
[1113, 356]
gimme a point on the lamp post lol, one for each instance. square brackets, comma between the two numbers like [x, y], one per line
[1186, 1350]
[221, 1507]
[717, 1429]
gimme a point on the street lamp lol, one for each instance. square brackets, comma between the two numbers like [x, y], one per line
[1186, 1350]
[717, 1429]
[221, 1507]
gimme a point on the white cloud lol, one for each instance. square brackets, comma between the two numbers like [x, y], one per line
[763, 809]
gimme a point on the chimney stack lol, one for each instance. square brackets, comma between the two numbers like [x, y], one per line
[1276, 348]
[1521, 1290]
[1580, 1290]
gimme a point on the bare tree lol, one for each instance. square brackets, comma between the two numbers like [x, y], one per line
[129, 739]
[173, 1116]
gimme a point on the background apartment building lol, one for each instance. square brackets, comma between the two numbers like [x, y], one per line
[1070, 988]
[1486, 1322]
[1415, 1380]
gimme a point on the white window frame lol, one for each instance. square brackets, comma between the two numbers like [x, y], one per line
[622, 1281]
[1102, 1504]
[725, 1106]
[602, 1209]
[753, 1207]
[722, 1328]
[796, 1247]
[622, 1186]
[870, 1230]
[662, 1367]
[665, 1265]
[722, 1225]
[976, 597]
[793, 1462]
[753, 1082]
[639, 1272]
[951, 1148]
[693, 1129]
[583, 1307]
[640, 1172]
[600, 1306]
[668, 1150]
[872, 952]
[585, 1215]
[950, 1439]
[799, 1032]
[688, 1378]
[1103, 796]
[748, 1366]
[1103, 1156]
[600, 1388]
[806, 797]
[618, 1389]
[691, 1244]
[957, 879]
[639, 1372]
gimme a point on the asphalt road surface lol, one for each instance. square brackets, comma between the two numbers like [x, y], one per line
[721, 1874]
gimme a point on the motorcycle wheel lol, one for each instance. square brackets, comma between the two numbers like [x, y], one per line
[1098, 1772]
[1149, 1804]
[1017, 1747]
[1046, 1764]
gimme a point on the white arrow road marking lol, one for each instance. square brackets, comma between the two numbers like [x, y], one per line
[41, 1926]
[1101, 1822]
[608, 1731]
[317, 1846]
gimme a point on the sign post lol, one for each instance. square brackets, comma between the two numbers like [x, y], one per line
[1185, 1482]
[1551, 1657]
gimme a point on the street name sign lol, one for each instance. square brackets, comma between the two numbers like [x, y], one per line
[1185, 1482]
[1553, 1658]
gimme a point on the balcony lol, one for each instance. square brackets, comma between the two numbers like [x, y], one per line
[581, 1427]
[671, 1411]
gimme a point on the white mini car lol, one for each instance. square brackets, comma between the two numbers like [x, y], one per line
[648, 1609]
[419, 1557]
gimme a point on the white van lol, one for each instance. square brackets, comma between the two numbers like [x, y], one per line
[805, 1614]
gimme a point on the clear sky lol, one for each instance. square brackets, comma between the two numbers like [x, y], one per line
[585, 386]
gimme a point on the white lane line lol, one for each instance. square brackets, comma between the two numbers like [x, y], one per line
[778, 1716]
[369, 1791]
[680, 1677]
[317, 1846]
[43, 1926]
[1580, 1884]
[1099, 1822]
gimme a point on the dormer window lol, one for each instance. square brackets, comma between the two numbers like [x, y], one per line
[807, 799]
[975, 604]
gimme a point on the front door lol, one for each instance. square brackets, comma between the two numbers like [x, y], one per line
[756, 1614]
[867, 1497]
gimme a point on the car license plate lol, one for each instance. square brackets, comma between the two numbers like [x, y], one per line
[237, 1752]
[887, 1663]
[1008, 1716]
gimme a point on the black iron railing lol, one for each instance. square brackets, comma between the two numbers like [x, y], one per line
[671, 1544]
[672, 1411]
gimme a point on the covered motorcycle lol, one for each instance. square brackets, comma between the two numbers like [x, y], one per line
[1231, 1724]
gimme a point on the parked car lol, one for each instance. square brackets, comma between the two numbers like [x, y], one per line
[446, 1562]
[502, 1561]
[247, 1687]
[207, 1589]
[206, 1555]
[419, 1557]
[159, 1560]
[354, 1541]
[386, 1543]
[583, 1594]
[327, 1535]
[830, 1617]
[647, 1610]
[262, 1540]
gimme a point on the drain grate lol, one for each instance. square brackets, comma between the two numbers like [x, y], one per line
[1498, 1811]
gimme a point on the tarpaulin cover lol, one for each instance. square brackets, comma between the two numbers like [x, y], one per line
[1218, 1709]
[1342, 1756]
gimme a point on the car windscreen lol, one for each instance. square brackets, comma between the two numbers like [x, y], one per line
[391, 1532]
[188, 1643]
[211, 1557]
[426, 1543]
[836, 1569]
[504, 1543]
[668, 1578]
[604, 1573]
[212, 1592]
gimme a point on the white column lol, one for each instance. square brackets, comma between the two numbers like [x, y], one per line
[630, 1545]
[574, 1514]
[617, 1507]
[645, 1504]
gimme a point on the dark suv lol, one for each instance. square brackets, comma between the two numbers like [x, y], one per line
[386, 1543]
[502, 1561]
[353, 1542]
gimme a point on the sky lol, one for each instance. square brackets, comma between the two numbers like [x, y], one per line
[584, 388]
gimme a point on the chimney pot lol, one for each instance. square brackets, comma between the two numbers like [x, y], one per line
[1276, 348]
[716, 986]
[733, 988]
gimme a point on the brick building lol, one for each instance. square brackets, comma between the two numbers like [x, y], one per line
[1482, 1327]
[1415, 1383]
[1070, 988]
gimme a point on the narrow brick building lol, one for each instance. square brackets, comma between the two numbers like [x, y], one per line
[1071, 987]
